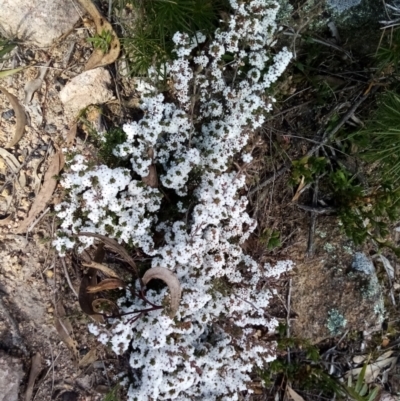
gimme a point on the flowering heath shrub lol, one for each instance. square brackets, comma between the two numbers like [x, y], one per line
[218, 91]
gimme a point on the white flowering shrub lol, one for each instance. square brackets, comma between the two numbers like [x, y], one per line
[209, 348]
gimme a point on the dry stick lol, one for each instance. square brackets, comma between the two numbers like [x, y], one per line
[288, 318]
[16, 336]
[325, 139]
[310, 246]
[67, 277]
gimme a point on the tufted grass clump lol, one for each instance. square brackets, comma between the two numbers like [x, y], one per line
[149, 29]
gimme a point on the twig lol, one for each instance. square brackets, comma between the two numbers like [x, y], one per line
[327, 136]
[310, 246]
[30, 228]
[271, 178]
[109, 9]
[16, 336]
[317, 209]
[288, 317]
[67, 277]
[333, 348]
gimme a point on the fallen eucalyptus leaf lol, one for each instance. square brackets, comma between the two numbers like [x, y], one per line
[359, 358]
[171, 280]
[293, 395]
[98, 58]
[45, 193]
[105, 285]
[89, 358]
[120, 250]
[106, 270]
[64, 330]
[373, 370]
[90, 278]
[20, 116]
[14, 165]
[385, 355]
[6, 220]
[299, 190]
[32, 86]
[36, 368]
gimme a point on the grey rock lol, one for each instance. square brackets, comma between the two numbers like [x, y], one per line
[8, 114]
[362, 263]
[90, 87]
[11, 374]
[37, 21]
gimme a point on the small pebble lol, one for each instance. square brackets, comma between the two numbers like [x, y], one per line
[8, 114]
[50, 128]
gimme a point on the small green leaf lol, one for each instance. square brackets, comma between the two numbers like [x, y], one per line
[6, 73]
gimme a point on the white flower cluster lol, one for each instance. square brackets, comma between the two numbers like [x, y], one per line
[108, 202]
[208, 350]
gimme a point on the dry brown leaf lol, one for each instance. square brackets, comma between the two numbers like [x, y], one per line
[106, 270]
[293, 395]
[14, 165]
[86, 299]
[103, 305]
[71, 135]
[299, 189]
[89, 358]
[373, 369]
[120, 250]
[19, 115]
[171, 280]
[105, 285]
[151, 179]
[6, 220]
[64, 330]
[98, 58]
[36, 368]
[44, 195]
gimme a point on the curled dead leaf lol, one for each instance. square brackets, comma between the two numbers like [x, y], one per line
[111, 243]
[106, 270]
[20, 116]
[103, 305]
[5, 220]
[172, 282]
[105, 285]
[36, 368]
[98, 58]
[86, 299]
[45, 193]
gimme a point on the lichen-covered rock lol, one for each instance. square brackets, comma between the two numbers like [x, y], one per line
[11, 374]
[37, 21]
[344, 293]
[90, 87]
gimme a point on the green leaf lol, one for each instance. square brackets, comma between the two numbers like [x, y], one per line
[6, 73]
